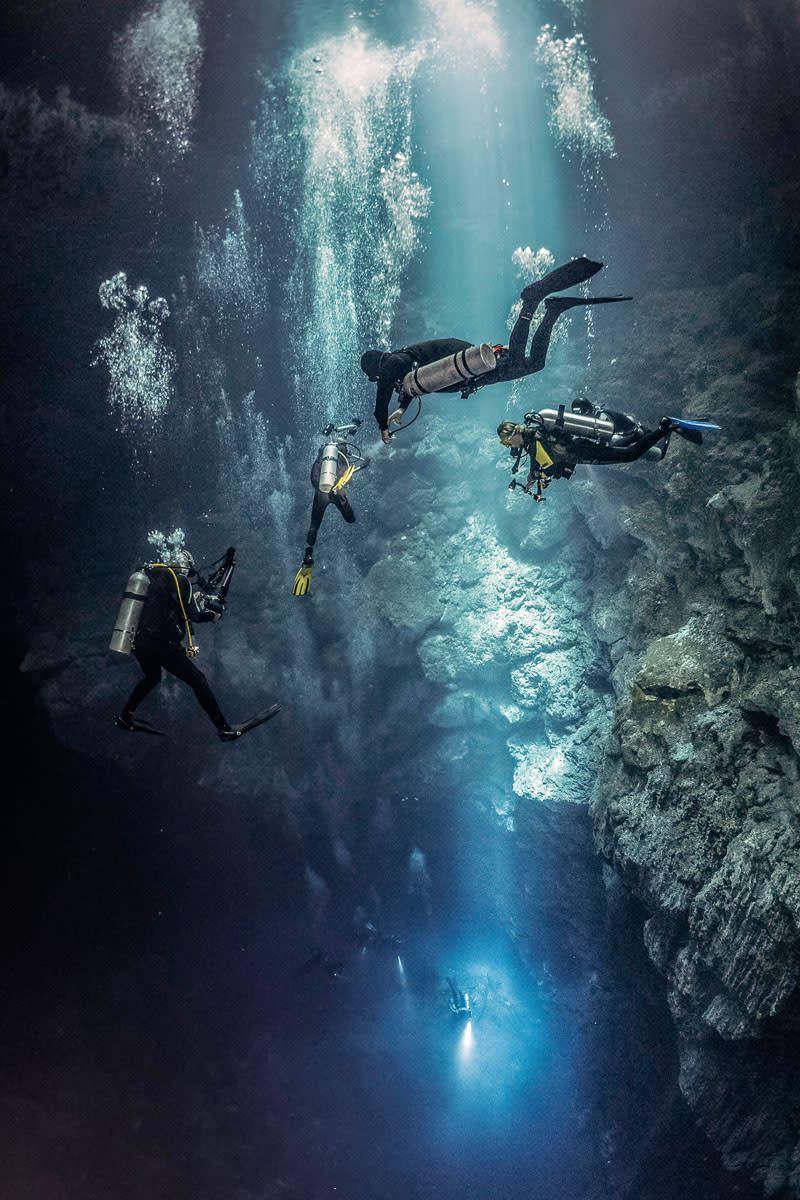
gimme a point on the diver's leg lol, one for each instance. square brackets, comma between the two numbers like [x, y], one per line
[630, 453]
[554, 306]
[570, 274]
[321, 502]
[174, 660]
[519, 334]
[344, 506]
[152, 677]
[540, 343]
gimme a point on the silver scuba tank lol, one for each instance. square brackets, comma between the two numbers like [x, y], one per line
[329, 467]
[577, 423]
[461, 367]
[130, 610]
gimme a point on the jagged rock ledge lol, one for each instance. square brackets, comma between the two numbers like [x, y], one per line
[697, 806]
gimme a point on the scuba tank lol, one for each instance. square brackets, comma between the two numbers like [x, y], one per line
[578, 423]
[461, 367]
[130, 610]
[329, 467]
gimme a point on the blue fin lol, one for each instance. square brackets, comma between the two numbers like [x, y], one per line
[681, 424]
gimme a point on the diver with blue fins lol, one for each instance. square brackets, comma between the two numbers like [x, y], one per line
[452, 365]
[555, 441]
[337, 461]
[158, 610]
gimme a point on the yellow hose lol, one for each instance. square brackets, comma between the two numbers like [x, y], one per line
[192, 651]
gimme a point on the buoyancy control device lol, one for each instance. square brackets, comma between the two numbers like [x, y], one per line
[461, 367]
[130, 611]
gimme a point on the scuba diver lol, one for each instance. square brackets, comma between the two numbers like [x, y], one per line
[158, 609]
[555, 442]
[452, 365]
[333, 468]
[459, 1005]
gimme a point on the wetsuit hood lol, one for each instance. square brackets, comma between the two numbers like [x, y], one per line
[371, 362]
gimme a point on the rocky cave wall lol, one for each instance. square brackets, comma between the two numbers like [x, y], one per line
[696, 805]
[645, 618]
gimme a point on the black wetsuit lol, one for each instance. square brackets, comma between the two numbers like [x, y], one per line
[629, 442]
[395, 366]
[323, 499]
[512, 362]
[158, 642]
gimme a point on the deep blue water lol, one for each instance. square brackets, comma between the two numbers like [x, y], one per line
[299, 181]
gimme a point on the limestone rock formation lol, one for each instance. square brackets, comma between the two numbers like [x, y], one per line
[697, 806]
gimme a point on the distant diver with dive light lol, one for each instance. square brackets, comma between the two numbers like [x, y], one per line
[452, 365]
[158, 609]
[555, 441]
[337, 461]
[459, 1002]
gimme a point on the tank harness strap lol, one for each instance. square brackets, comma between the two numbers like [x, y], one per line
[191, 649]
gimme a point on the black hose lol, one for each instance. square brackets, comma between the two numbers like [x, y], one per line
[413, 419]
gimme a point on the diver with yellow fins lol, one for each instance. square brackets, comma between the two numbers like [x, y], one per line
[452, 365]
[158, 610]
[555, 442]
[337, 461]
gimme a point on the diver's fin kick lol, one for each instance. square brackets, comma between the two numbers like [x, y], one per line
[302, 580]
[691, 430]
[137, 725]
[567, 276]
[235, 731]
[562, 303]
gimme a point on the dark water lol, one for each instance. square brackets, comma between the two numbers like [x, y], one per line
[170, 1030]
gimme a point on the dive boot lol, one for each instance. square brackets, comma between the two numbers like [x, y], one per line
[577, 271]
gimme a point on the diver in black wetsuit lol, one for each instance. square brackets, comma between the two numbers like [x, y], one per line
[556, 442]
[388, 369]
[171, 606]
[332, 470]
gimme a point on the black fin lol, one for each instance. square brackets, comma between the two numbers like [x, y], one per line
[564, 302]
[138, 726]
[236, 731]
[691, 435]
[566, 276]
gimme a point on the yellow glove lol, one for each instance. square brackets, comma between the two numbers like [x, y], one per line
[397, 416]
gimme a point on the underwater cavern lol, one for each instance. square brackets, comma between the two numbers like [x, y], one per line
[505, 899]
